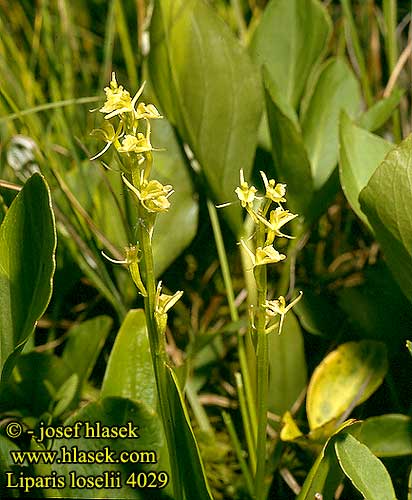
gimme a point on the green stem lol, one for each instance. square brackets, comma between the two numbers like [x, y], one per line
[238, 450]
[249, 341]
[248, 230]
[198, 410]
[244, 367]
[250, 399]
[224, 265]
[391, 46]
[157, 341]
[347, 10]
[262, 368]
[247, 427]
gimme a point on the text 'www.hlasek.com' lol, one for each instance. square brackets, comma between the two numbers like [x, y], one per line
[50, 464]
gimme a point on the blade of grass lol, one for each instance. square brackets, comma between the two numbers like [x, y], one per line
[239, 452]
[391, 46]
[66, 52]
[198, 410]
[108, 44]
[43, 107]
[360, 58]
[126, 45]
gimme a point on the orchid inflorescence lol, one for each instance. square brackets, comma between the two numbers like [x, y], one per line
[123, 130]
[270, 222]
[132, 144]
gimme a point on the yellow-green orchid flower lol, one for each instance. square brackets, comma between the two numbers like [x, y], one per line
[275, 192]
[265, 255]
[279, 307]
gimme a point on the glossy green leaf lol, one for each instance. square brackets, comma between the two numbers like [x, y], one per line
[336, 89]
[290, 39]
[409, 345]
[113, 412]
[209, 89]
[27, 246]
[289, 154]
[316, 479]
[360, 155]
[129, 371]
[325, 474]
[344, 379]
[191, 470]
[387, 435]
[381, 111]
[387, 202]
[83, 346]
[366, 472]
[287, 366]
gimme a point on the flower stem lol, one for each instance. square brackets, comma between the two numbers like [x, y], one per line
[157, 340]
[262, 369]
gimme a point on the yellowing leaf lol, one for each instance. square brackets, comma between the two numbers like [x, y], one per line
[344, 379]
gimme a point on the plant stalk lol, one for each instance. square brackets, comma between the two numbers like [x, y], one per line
[244, 368]
[262, 366]
[157, 340]
[391, 46]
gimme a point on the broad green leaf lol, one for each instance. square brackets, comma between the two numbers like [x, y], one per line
[325, 475]
[360, 155]
[129, 371]
[191, 470]
[112, 412]
[409, 345]
[380, 112]
[287, 366]
[290, 39]
[83, 346]
[208, 88]
[27, 246]
[289, 154]
[336, 89]
[387, 202]
[387, 435]
[366, 471]
[345, 379]
[34, 383]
